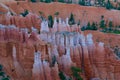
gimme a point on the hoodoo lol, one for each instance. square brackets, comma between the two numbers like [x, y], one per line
[60, 47]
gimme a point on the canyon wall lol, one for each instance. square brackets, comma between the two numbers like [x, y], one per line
[29, 50]
[31, 20]
[33, 56]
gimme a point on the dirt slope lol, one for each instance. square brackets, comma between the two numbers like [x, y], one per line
[83, 13]
[110, 40]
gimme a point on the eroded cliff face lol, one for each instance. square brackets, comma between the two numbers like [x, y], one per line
[27, 55]
[42, 56]
[31, 20]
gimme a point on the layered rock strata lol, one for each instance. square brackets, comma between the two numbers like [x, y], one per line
[33, 56]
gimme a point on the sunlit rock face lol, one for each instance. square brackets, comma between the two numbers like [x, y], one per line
[33, 56]
[24, 22]
[44, 26]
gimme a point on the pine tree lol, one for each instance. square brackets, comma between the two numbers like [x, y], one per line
[101, 2]
[69, 1]
[33, 0]
[94, 27]
[102, 24]
[88, 26]
[61, 1]
[109, 5]
[1, 67]
[50, 21]
[71, 20]
[82, 2]
[41, 0]
[48, 1]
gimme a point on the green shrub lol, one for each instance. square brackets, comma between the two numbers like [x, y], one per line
[102, 17]
[75, 73]
[56, 13]
[41, 15]
[83, 28]
[2, 73]
[62, 76]
[25, 13]
[76, 69]
[5, 78]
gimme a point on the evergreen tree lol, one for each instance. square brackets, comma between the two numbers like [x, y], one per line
[109, 5]
[88, 26]
[2, 73]
[50, 21]
[102, 24]
[62, 76]
[69, 1]
[71, 20]
[118, 6]
[75, 73]
[61, 1]
[41, 0]
[1, 67]
[48, 1]
[94, 27]
[33, 0]
[25, 13]
[5, 78]
[82, 2]
[101, 2]
[83, 28]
